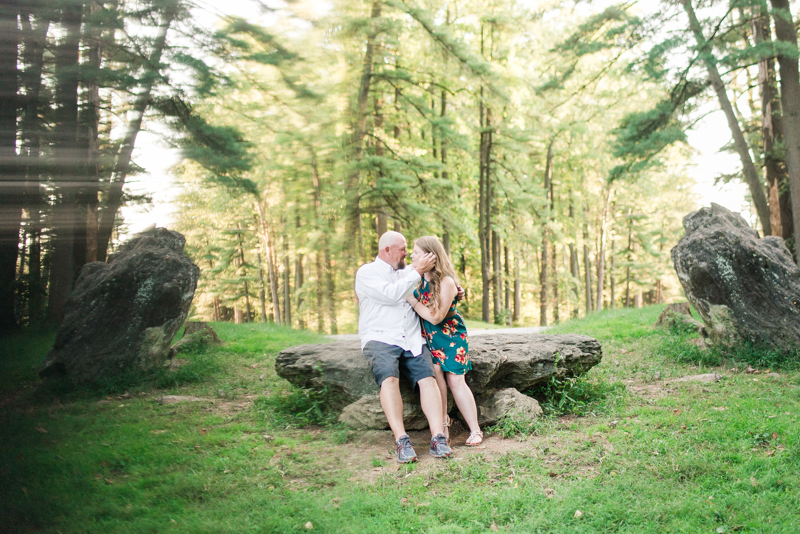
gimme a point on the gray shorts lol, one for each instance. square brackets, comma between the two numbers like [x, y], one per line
[390, 360]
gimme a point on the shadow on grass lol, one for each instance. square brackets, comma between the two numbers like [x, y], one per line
[678, 346]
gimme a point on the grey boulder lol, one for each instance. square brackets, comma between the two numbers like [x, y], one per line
[122, 315]
[744, 287]
[493, 405]
[499, 361]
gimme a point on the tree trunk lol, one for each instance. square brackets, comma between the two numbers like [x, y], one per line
[507, 287]
[484, 211]
[497, 278]
[780, 206]
[113, 200]
[273, 276]
[587, 267]
[242, 264]
[554, 264]
[601, 260]
[262, 292]
[517, 290]
[628, 270]
[325, 264]
[790, 104]
[10, 169]
[320, 293]
[298, 286]
[331, 292]
[31, 133]
[613, 278]
[740, 143]
[287, 288]
[573, 260]
[381, 217]
[543, 272]
[352, 190]
[66, 152]
[91, 124]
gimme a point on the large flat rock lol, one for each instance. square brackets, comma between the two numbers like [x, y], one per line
[500, 361]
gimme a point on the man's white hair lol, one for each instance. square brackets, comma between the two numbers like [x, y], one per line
[390, 238]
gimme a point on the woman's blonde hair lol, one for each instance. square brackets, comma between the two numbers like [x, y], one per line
[441, 267]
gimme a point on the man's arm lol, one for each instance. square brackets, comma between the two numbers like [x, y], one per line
[373, 286]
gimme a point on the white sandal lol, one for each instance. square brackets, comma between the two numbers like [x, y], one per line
[473, 436]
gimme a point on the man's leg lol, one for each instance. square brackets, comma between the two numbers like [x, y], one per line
[392, 404]
[431, 400]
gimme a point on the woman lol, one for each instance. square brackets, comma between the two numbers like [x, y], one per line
[446, 335]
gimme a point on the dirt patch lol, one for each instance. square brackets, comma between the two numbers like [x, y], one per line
[707, 378]
[384, 451]
[174, 399]
[655, 390]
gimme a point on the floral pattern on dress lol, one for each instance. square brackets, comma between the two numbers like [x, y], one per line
[448, 341]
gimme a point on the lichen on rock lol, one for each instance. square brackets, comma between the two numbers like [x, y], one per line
[745, 288]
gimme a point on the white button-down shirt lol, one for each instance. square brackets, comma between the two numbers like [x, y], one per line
[384, 315]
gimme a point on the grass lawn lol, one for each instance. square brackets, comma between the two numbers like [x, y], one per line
[627, 449]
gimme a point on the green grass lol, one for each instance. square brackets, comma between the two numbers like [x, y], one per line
[632, 450]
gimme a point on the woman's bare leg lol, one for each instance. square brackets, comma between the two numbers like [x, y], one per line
[464, 400]
[437, 371]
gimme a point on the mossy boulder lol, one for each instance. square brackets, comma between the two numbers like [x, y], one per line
[123, 315]
[745, 288]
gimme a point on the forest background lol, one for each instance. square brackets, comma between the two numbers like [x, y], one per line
[544, 142]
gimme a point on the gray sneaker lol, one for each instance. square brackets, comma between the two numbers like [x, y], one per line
[405, 450]
[439, 447]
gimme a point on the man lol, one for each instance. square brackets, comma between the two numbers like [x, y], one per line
[391, 340]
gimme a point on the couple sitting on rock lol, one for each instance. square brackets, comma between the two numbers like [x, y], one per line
[393, 299]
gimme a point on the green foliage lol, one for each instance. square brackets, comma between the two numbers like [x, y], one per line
[513, 425]
[678, 346]
[296, 408]
[579, 396]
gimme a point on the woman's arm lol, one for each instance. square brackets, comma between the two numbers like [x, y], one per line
[446, 294]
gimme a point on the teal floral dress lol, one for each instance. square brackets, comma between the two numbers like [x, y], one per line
[448, 341]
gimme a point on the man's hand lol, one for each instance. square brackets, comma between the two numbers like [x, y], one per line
[461, 294]
[424, 263]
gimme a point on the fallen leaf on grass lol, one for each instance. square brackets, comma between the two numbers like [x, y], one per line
[41, 429]
[25, 491]
[336, 502]
[494, 527]
[309, 525]
[157, 431]
[404, 501]
[578, 513]
[109, 481]
[422, 504]
[549, 492]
